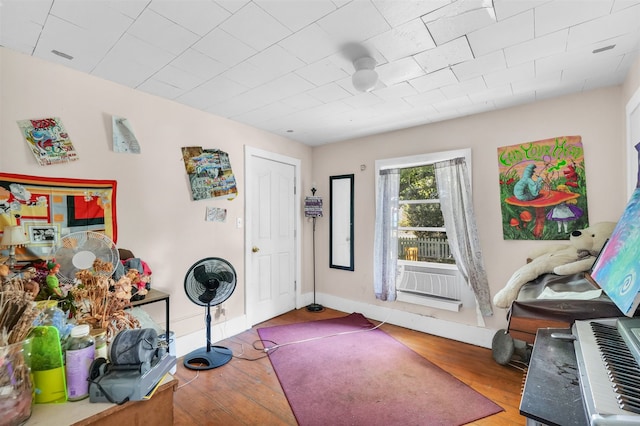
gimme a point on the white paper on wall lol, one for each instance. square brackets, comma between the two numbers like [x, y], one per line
[216, 214]
[124, 140]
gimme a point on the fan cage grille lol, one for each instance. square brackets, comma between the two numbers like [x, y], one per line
[212, 265]
[96, 243]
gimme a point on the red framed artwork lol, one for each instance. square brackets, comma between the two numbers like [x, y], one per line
[56, 205]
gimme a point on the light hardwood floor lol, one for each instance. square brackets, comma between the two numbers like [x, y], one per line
[245, 392]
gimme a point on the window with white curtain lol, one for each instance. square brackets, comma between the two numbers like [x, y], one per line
[426, 272]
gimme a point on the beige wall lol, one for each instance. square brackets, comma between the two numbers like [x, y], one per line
[160, 223]
[596, 116]
[157, 219]
[632, 82]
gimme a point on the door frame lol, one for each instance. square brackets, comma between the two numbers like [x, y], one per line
[249, 154]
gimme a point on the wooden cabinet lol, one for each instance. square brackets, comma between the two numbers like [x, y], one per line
[157, 411]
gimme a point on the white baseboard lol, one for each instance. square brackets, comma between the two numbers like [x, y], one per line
[478, 336]
[473, 335]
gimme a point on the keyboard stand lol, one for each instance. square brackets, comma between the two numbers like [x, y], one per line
[551, 394]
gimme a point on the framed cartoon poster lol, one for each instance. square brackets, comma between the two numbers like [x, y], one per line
[543, 189]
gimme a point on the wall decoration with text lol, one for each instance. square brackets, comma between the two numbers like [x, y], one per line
[543, 191]
[48, 140]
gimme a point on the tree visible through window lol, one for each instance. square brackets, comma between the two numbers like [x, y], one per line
[421, 232]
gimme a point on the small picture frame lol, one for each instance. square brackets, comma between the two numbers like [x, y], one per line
[44, 234]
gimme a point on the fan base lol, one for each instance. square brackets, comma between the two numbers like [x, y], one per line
[200, 359]
[314, 307]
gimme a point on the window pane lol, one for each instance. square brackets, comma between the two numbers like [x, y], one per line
[420, 208]
[424, 246]
[421, 215]
[418, 183]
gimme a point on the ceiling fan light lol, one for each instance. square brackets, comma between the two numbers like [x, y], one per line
[364, 80]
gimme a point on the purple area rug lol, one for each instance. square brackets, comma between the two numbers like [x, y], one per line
[365, 377]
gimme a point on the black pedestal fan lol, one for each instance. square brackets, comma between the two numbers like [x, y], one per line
[209, 282]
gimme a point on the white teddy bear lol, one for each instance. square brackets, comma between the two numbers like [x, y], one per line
[563, 259]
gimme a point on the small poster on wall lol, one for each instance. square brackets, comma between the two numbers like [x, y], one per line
[216, 214]
[313, 206]
[48, 140]
[543, 191]
[210, 174]
[124, 140]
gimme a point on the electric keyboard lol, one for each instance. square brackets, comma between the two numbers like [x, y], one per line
[608, 354]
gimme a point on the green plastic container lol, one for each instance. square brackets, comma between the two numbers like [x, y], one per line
[47, 366]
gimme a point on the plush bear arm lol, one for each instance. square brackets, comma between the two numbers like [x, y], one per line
[540, 265]
[575, 267]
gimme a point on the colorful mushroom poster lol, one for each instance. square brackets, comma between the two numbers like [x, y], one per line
[543, 191]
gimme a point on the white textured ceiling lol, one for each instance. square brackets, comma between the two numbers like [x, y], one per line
[285, 65]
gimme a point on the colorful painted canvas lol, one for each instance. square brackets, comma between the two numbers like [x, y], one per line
[48, 140]
[210, 174]
[48, 208]
[617, 269]
[543, 191]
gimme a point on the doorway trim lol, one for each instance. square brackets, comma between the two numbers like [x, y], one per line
[249, 154]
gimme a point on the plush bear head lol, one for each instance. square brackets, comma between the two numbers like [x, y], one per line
[565, 259]
[593, 238]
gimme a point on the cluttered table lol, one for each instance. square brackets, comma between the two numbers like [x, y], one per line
[157, 410]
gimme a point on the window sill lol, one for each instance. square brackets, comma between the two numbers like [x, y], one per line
[434, 265]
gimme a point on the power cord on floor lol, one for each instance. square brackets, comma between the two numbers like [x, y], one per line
[239, 356]
[185, 384]
[269, 349]
[259, 345]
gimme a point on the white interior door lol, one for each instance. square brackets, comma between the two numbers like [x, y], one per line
[272, 257]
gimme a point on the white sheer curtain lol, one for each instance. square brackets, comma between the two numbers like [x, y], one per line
[385, 251]
[453, 181]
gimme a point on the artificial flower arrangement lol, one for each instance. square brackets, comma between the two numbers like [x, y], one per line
[100, 301]
[94, 297]
[18, 313]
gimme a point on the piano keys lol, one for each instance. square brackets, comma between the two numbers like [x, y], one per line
[608, 354]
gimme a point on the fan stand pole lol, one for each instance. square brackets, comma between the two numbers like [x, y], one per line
[314, 307]
[208, 327]
[209, 357]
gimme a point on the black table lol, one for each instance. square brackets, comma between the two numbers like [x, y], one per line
[156, 296]
[551, 394]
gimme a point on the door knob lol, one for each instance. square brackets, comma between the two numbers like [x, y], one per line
[255, 249]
